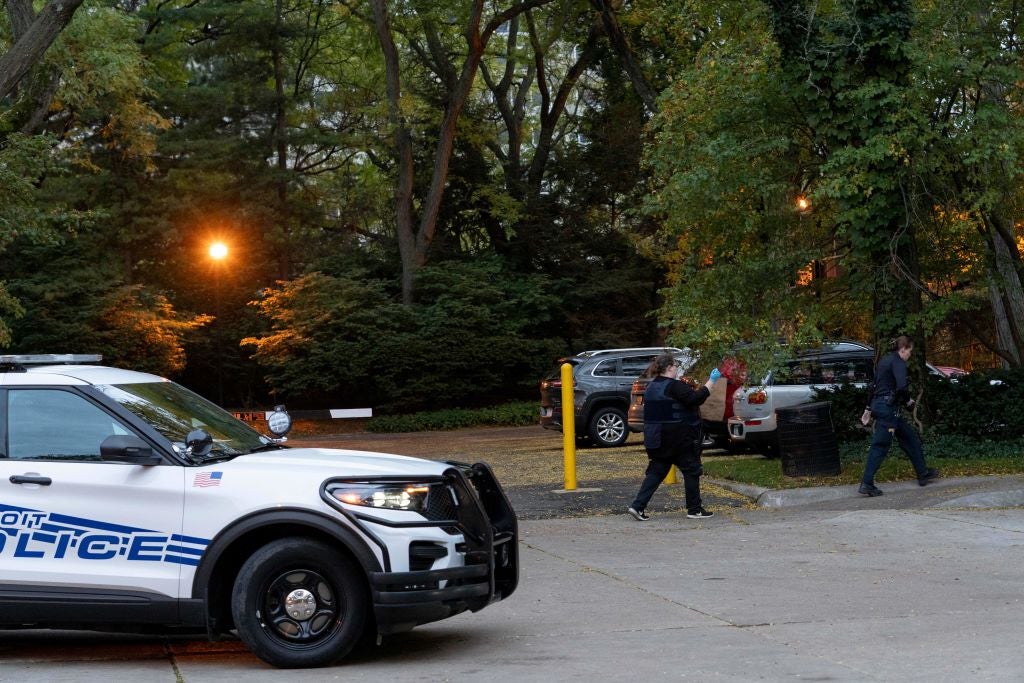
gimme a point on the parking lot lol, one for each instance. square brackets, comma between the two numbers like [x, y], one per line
[855, 589]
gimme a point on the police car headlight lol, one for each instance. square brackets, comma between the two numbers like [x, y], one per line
[389, 496]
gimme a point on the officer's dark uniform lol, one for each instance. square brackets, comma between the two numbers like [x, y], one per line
[891, 391]
[673, 433]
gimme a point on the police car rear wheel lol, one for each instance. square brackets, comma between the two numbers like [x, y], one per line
[299, 603]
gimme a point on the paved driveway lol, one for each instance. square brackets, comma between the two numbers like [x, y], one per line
[855, 589]
[869, 595]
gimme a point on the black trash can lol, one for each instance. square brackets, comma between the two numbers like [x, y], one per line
[807, 440]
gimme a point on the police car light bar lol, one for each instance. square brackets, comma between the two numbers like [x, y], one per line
[50, 358]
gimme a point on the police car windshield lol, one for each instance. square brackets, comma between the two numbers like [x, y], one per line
[174, 411]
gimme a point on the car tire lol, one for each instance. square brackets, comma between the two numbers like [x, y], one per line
[328, 609]
[608, 427]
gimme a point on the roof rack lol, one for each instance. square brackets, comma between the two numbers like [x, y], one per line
[18, 363]
[601, 352]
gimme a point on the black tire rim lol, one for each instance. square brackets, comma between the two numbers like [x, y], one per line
[300, 608]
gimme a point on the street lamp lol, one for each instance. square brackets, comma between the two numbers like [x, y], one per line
[218, 252]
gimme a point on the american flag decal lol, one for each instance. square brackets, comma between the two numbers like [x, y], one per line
[204, 479]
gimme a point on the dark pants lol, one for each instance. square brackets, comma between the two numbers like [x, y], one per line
[888, 424]
[685, 456]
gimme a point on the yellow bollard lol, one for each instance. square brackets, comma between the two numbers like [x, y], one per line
[670, 478]
[568, 427]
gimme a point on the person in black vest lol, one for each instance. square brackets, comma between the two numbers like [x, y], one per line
[890, 394]
[673, 435]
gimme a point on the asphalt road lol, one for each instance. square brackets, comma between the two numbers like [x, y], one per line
[841, 589]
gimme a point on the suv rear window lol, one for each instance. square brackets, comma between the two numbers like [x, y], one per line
[635, 365]
[606, 368]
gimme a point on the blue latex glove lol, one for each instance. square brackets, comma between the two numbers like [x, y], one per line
[715, 375]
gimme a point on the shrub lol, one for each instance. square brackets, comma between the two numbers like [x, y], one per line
[518, 414]
[848, 403]
[973, 406]
[476, 334]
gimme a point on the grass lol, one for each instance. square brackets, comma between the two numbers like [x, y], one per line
[949, 456]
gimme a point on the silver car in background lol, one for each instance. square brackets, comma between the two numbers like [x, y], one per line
[754, 422]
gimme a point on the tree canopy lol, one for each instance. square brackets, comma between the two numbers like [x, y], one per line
[428, 204]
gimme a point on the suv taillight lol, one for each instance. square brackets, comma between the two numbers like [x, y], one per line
[758, 397]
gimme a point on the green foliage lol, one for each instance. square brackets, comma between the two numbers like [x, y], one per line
[72, 306]
[974, 407]
[471, 339]
[515, 414]
[23, 161]
[105, 85]
[848, 403]
[727, 157]
[904, 134]
[968, 409]
[953, 456]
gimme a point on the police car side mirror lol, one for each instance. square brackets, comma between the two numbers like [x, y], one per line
[199, 443]
[128, 448]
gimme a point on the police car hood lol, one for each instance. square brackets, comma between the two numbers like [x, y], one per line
[338, 462]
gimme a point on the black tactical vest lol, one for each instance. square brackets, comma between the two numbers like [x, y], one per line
[659, 408]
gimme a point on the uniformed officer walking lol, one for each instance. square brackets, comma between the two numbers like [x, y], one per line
[673, 434]
[890, 395]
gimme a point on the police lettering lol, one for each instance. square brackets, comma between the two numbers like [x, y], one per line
[31, 534]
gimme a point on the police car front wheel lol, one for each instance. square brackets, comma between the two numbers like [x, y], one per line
[299, 603]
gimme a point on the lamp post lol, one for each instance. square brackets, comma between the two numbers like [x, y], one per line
[218, 252]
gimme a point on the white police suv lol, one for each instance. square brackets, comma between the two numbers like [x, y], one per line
[129, 503]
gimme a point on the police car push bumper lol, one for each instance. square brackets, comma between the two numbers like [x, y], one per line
[466, 504]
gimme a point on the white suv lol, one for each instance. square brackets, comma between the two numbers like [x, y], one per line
[130, 503]
[754, 421]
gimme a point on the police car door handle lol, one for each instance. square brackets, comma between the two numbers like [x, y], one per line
[30, 479]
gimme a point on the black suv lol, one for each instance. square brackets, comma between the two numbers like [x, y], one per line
[601, 384]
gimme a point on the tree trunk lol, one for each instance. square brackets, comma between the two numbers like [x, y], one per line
[281, 141]
[1005, 293]
[552, 110]
[621, 46]
[404, 227]
[33, 43]
[414, 243]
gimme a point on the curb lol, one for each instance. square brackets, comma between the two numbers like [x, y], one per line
[779, 498]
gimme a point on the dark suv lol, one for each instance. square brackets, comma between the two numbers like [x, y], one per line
[601, 384]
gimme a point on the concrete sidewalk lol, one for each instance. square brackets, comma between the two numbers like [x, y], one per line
[955, 492]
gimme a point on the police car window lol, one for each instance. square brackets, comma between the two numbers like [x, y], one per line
[174, 411]
[48, 424]
[635, 365]
[606, 368]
